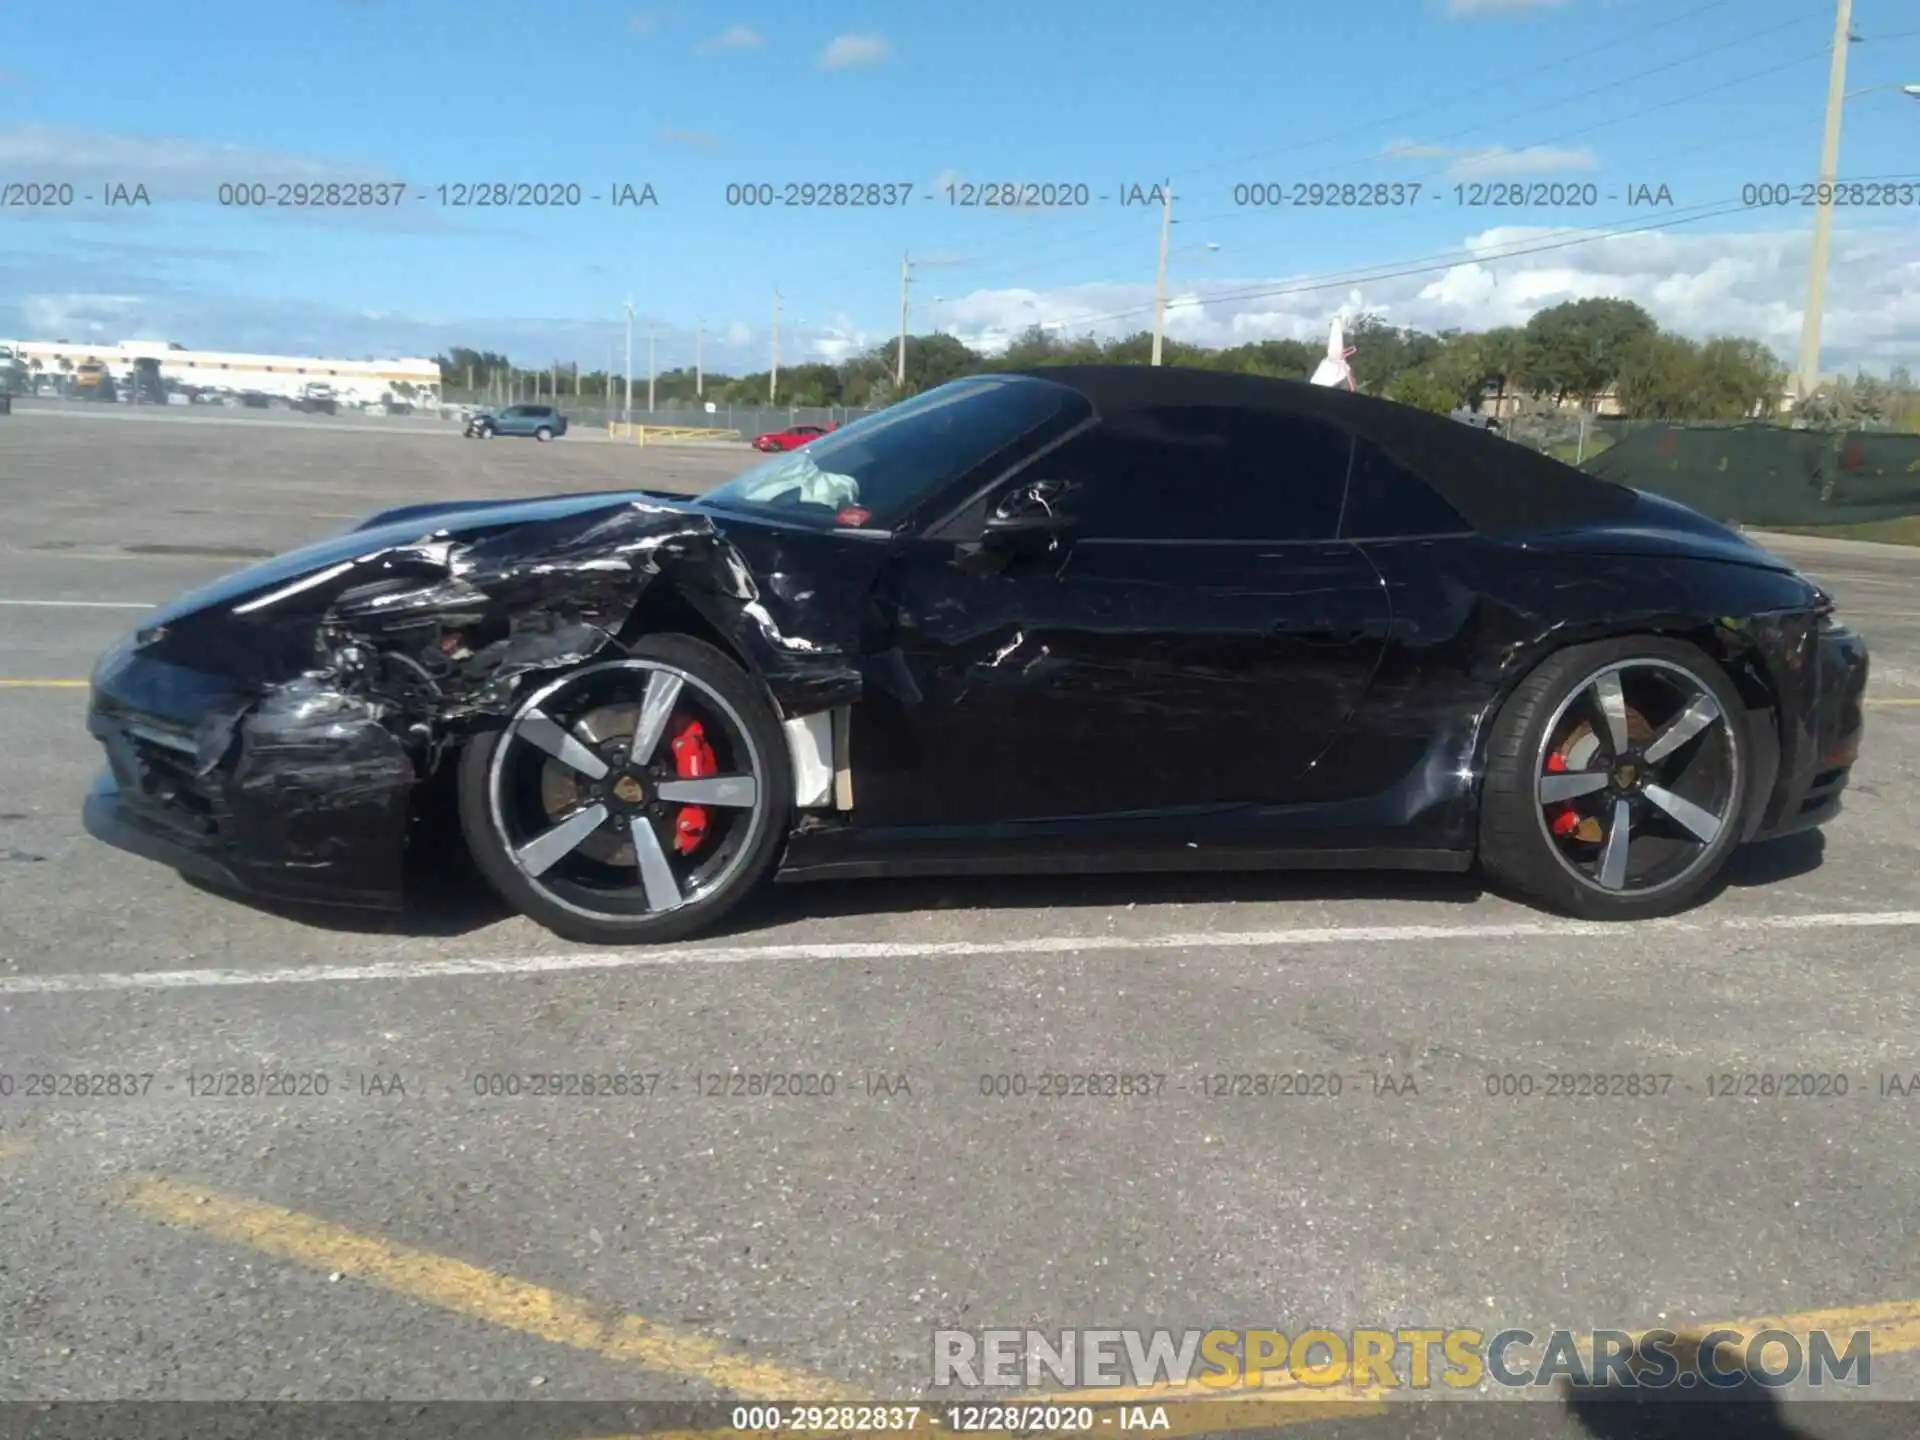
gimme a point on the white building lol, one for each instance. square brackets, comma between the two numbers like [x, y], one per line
[410, 379]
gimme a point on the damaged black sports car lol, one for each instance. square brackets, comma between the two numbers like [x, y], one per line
[1076, 619]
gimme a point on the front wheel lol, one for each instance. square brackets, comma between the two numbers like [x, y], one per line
[543, 434]
[634, 800]
[1617, 780]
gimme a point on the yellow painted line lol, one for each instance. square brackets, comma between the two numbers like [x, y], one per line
[464, 1289]
[1901, 701]
[43, 684]
[1893, 1327]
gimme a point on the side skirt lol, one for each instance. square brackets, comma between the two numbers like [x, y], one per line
[803, 862]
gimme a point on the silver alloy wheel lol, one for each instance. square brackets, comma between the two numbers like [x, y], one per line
[1649, 777]
[603, 856]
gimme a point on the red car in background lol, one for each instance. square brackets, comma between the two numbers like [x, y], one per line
[792, 438]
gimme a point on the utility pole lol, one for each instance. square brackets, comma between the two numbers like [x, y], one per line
[699, 374]
[627, 414]
[1160, 275]
[653, 368]
[1823, 215]
[773, 375]
[900, 362]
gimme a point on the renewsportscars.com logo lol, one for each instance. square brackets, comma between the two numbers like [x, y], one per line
[1403, 1358]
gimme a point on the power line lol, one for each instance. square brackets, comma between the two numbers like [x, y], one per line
[1442, 172]
[1452, 260]
[1636, 37]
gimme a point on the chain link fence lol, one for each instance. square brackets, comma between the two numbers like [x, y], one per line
[595, 412]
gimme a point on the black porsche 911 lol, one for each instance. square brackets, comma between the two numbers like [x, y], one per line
[1070, 620]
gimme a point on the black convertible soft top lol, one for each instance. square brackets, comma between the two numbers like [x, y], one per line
[1497, 485]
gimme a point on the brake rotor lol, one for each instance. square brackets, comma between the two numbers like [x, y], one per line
[1576, 752]
[564, 790]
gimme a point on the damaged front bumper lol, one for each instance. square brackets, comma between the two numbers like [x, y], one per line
[288, 794]
[1828, 668]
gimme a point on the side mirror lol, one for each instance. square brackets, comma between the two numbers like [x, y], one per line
[1034, 515]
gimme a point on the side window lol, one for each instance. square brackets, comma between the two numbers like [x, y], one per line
[1387, 499]
[1204, 473]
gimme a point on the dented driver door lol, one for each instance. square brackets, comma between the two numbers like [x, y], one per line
[1159, 680]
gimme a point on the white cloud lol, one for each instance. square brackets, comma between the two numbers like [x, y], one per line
[1530, 160]
[737, 37]
[851, 52]
[838, 339]
[94, 317]
[739, 334]
[1471, 163]
[1473, 9]
[171, 167]
[1699, 285]
[1416, 150]
[691, 139]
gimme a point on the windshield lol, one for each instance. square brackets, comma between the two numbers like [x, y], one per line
[873, 472]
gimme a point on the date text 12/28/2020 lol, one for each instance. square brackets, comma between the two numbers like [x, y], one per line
[453, 195]
[1473, 195]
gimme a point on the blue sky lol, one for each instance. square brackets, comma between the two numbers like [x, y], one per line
[1699, 97]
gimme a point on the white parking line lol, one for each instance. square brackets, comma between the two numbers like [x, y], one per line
[83, 604]
[937, 950]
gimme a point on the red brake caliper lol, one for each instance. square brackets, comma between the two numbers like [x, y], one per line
[692, 760]
[1565, 818]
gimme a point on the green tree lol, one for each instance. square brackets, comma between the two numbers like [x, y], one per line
[1738, 380]
[1661, 378]
[933, 360]
[1282, 359]
[1576, 350]
[1383, 352]
[1425, 389]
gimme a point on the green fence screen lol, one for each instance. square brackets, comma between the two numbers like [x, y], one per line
[1765, 475]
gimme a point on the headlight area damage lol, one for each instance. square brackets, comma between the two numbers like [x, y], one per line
[269, 732]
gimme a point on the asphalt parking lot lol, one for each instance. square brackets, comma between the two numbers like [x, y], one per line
[406, 1235]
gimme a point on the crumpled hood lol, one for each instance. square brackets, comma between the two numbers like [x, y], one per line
[436, 613]
[408, 525]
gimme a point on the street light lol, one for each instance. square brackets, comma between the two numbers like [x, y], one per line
[1160, 289]
[1808, 374]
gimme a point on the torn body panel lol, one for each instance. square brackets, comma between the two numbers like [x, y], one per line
[277, 721]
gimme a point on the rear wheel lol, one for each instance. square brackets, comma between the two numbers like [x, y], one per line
[1616, 780]
[543, 434]
[631, 801]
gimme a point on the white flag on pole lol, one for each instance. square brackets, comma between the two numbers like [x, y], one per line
[1333, 369]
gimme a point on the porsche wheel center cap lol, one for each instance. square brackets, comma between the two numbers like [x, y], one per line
[1626, 775]
[629, 790]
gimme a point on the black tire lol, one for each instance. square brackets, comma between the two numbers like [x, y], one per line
[1517, 851]
[768, 821]
[543, 434]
